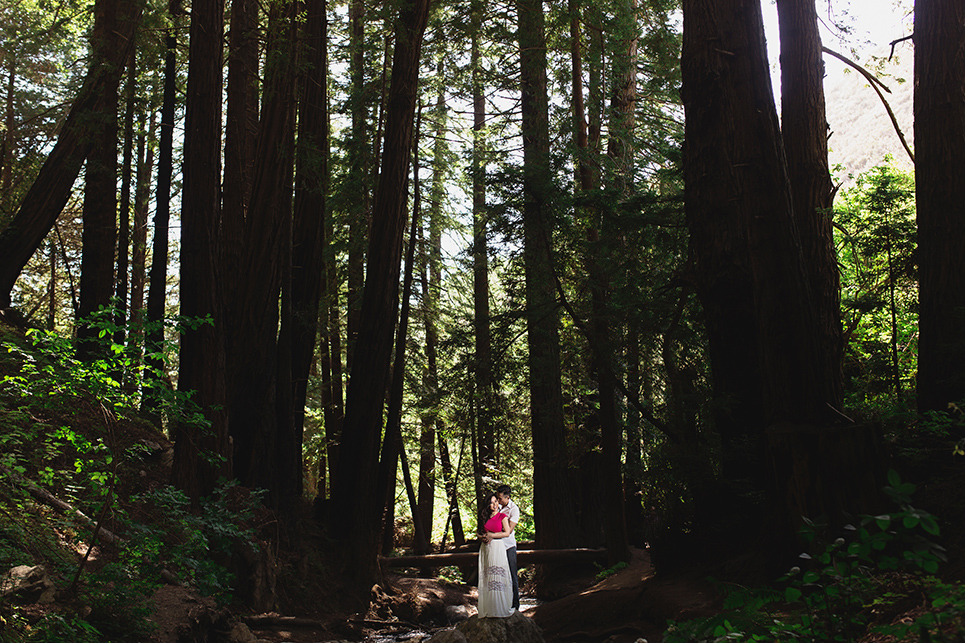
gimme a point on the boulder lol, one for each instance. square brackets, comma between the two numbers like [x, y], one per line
[25, 584]
[448, 636]
[456, 613]
[513, 629]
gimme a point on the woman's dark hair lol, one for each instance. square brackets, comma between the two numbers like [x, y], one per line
[484, 510]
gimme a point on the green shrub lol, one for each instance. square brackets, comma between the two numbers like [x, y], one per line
[831, 596]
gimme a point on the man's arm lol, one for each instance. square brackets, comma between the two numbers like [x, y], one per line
[508, 526]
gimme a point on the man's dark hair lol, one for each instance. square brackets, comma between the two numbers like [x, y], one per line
[504, 490]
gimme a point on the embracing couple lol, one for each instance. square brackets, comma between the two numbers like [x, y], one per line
[498, 579]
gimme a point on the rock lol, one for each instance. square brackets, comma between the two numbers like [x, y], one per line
[25, 584]
[240, 633]
[456, 613]
[448, 636]
[513, 629]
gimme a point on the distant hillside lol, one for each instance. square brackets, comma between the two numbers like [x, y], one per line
[861, 131]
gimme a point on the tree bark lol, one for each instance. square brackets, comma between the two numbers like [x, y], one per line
[99, 234]
[554, 524]
[358, 511]
[940, 196]
[241, 129]
[309, 241]
[393, 447]
[202, 454]
[744, 243]
[145, 167]
[122, 285]
[483, 364]
[360, 169]
[157, 293]
[51, 189]
[805, 134]
[254, 341]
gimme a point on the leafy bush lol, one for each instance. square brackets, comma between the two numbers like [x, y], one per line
[190, 544]
[835, 594]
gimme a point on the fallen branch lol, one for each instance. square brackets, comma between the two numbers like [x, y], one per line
[274, 620]
[49, 499]
[523, 557]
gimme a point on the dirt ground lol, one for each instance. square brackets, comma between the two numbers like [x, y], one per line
[634, 603]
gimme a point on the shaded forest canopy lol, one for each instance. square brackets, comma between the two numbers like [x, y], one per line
[369, 260]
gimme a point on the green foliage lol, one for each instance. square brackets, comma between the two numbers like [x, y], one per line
[835, 592]
[876, 237]
[193, 545]
[609, 571]
[59, 414]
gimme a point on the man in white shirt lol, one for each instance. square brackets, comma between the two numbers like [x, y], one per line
[509, 508]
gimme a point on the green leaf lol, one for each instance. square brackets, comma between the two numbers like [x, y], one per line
[792, 594]
[893, 478]
[929, 524]
[909, 521]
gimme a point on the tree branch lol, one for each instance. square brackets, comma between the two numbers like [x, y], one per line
[875, 84]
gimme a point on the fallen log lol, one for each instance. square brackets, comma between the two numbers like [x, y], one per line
[276, 620]
[49, 499]
[524, 557]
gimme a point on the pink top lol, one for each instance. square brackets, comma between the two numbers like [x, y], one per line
[495, 524]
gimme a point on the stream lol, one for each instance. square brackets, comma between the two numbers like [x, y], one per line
[526, 603]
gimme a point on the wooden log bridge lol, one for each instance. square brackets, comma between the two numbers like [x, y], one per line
[523, 557]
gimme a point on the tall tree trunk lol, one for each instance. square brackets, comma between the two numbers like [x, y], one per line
[9, 134]
[554, 524]
[254, 350]
[358, 216]
[620, 153]
[157, 293]
[99, 234]
[241, 127]
[124, 210]
[764, 338]
[483, 364]
[743, 238]
[805, 134]
[309, 241]
[145, 167]
[51, 189]
[431, 292]
[202, 454]
[451, 481]
[940, 195]
[358, 511]
[393, 447]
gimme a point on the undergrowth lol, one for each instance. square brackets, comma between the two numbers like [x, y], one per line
[878, 578]
[69, 428]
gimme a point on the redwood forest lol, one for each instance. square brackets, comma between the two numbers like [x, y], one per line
[293, 293]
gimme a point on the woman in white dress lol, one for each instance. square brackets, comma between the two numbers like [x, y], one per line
[495, 585]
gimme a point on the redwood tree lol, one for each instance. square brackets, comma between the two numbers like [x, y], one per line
[100, 184]
[51, 189]
[554, 525]
[356, 511]
[805, 135]
[763, 335]
[940, 195]
[202, 452]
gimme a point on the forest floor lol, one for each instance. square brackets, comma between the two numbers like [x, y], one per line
[630, 604]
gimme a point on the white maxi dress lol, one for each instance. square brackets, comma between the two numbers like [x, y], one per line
[495, 585]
